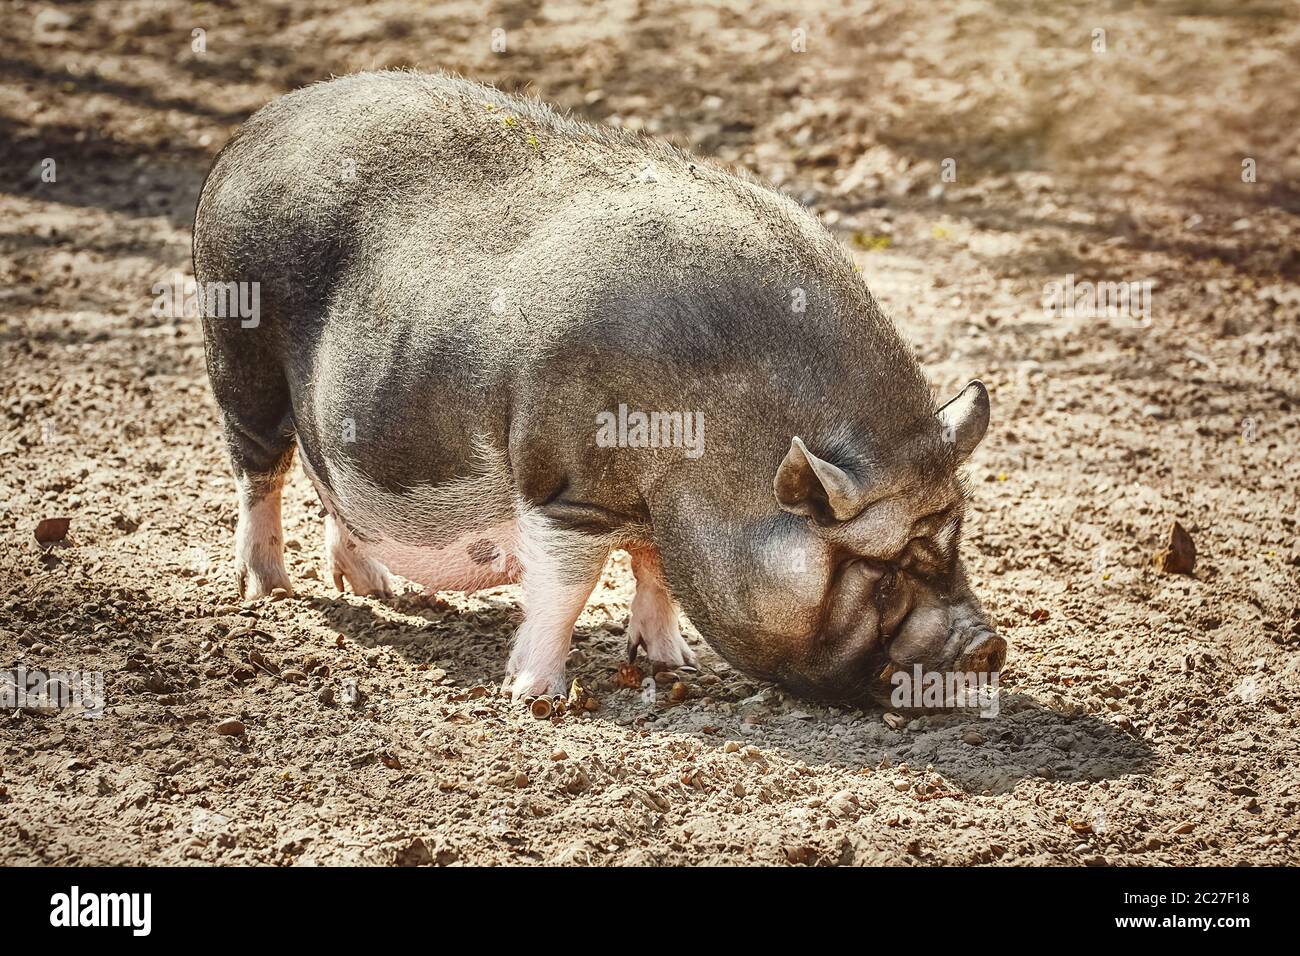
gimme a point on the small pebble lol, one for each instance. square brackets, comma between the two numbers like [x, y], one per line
[231, 727]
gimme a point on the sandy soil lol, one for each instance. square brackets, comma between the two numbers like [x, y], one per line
[1145, 717]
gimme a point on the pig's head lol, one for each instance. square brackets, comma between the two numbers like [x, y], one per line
[855, 574]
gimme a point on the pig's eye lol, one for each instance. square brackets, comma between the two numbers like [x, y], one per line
[920, 558]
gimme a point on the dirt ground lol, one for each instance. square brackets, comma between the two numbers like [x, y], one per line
[1145, 718]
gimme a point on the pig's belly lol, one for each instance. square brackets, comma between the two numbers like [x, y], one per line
[462, 535]
[480, 558]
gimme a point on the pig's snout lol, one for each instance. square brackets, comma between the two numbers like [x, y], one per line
[984, 656]
[953, 639]
[948, 637]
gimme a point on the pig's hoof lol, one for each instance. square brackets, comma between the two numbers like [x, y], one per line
[367, 576]
[370, 580]
[344, 561]
[257, 580]
[662, 646]
[527, 684]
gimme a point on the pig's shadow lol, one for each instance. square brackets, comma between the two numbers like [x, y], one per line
[1024, 740]
[974, 754]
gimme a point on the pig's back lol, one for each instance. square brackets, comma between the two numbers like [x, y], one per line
[458, 211]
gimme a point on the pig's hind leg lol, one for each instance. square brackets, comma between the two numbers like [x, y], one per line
[344, 560]
[652, 623]
[560, 570]
[259, 539]
[256, 419]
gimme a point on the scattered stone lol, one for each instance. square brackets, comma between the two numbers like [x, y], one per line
[973, 738]
[577, 781]
[629, 676]
[1179, 557]
[843, 804]
[50, 27]
[52, 530]
[231, 727]
[579, 699]
[800, 855]
[415, 853]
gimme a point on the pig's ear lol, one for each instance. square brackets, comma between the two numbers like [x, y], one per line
[965, 418]
[807, 485]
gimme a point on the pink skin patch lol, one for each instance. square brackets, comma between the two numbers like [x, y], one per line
[484, 558]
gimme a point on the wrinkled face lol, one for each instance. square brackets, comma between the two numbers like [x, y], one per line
[880, 592]
[858, 576]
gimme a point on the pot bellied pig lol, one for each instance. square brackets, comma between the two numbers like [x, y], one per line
[507, 342]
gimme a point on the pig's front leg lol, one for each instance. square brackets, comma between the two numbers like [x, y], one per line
[652, 623]
[560, 570]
